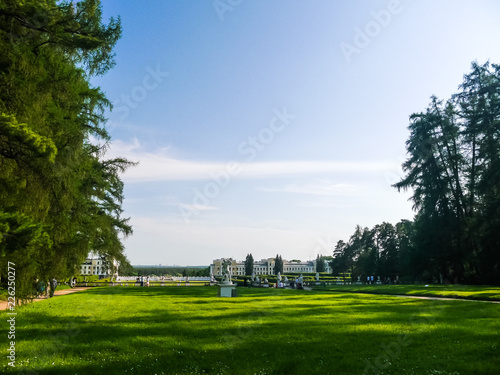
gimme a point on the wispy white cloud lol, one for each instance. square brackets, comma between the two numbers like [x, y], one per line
[160, 166]
[198, 207]
[321, 188]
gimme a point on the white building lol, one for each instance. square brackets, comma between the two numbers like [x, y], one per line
[266, 267]
[97, 265]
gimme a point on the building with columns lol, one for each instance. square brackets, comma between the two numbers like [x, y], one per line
[97, 265]
[266, 267]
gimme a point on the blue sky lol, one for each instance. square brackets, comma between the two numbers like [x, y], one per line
[270, 127]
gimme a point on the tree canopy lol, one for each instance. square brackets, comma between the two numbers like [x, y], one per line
[453, 171]
[278, 264]
[60, 198]
[320, 263]
[249, 264]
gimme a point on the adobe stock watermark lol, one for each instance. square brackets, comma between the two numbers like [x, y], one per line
[244, 329]
[363, 36]
[326, 244]
[139, 93]
[424, 152]
[391, 351]
[33, 26]
[246, 326]
[11, 315]
[57, 342]
[392, 177]
[220, 180]
[221, 7]
[257, 143]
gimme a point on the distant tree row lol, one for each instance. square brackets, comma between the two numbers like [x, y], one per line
[278, 264]
[321, 263]
[453, 171]
[60, 198]
[168, 271]
[385, 250]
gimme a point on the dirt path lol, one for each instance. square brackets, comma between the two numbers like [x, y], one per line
[439, 298]
[4, 304]
[420, 297]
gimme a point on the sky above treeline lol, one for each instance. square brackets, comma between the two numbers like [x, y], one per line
[275, 127]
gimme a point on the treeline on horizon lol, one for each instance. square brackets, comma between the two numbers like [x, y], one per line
[167, 271]
[60, 197]
[453, 170]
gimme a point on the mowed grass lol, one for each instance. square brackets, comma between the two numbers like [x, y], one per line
[476, 292]
[188, 330]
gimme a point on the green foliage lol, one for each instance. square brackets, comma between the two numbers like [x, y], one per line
[320, 264]
[20, 136]
[22, 242]
[86, 278]
[278, 264]
[249, 264]
[453, 169]
[56, 185]
[126, 269]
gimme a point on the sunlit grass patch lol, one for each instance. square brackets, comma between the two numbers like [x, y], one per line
[191, 331]
[476, 292]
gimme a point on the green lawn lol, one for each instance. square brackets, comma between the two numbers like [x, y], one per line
[179, 330]
[4, 296]
[486, 293]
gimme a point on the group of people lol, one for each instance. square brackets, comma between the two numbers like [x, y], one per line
[143, 280]
[43, 289]
[297, 283]
[387, 280]
[294, 283]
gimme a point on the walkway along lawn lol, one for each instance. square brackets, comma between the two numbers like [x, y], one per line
[472, 292]
[173, 330]
[59, 292]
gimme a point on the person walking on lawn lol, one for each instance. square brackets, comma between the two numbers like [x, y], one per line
[53, 286]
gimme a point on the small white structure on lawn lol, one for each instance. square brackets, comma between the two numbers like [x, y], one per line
[226, 286]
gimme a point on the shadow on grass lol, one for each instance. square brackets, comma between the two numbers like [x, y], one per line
[471, 292]
[188, 330]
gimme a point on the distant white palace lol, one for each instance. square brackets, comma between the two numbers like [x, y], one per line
[96, 265]
[266, 267]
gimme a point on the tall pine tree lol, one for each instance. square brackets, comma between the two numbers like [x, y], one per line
[60, 198]
[249, 265]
